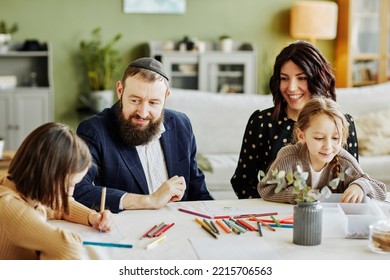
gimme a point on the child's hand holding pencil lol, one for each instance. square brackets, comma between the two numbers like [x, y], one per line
[103, 219]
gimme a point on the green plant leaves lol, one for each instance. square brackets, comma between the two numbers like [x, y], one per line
[301, 191]
[100, 61]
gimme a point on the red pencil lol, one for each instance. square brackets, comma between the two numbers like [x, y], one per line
[150, 230]
[246, 225]
[163, 229]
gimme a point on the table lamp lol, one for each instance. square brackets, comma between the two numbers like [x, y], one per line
[313, 20]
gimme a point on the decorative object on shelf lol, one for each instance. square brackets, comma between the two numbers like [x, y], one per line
[226, 43]
[207, 68]
[8, 82]
[101, 64]
[308, 212]
[6, 32]
[33, 45]
[186, 44]
[313, 20]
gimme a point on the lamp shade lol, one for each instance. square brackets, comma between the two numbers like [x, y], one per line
[314, 20]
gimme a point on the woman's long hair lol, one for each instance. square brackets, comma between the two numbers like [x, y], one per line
[320, 78]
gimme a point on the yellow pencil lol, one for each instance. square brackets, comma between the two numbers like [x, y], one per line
[102, 203]
[202, 224]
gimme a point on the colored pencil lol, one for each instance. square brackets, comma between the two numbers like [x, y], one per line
[280, 226]
[221, 217]
[194, 213]
[163, 229]
[201, 223]
[223, 226]
[259, 228]
[150, 234]
[255, 215]
[214, 227]
[233, 223]
[275, 221]
[105, 244]
[209, 231]
[146, 233]
[264, 224]
[209, 225]
[246, 225]
[102, 203]
[155, 242]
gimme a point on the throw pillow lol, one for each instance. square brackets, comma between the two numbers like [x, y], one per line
[373, 133]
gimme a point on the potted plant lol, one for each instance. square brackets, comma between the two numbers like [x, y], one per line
[101, 63]
[6, 32]
[307, 212]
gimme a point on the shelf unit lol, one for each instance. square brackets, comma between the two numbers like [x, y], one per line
[363, 49]
[29, 103]
[212, 70]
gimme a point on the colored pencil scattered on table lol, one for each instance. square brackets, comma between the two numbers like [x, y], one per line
[259, 228]
[194, 213]
[156, 242]
[223, 226]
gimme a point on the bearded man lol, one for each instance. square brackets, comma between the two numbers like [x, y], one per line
[143, 153]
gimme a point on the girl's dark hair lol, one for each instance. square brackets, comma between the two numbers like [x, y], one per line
[320, 78]
[44, 163]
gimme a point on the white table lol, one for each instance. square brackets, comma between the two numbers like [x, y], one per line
[186, 240]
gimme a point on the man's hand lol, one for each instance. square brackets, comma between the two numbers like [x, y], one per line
[171, 190]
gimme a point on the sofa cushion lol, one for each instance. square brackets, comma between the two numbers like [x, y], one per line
[373, 131]
[363, 100]
[218, 120]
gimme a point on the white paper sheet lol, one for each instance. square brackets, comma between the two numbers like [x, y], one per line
[233, 247]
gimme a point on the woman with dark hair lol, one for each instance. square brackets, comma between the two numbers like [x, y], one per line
[39, 186]
[300, 73]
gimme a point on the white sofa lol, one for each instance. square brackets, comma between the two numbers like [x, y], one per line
[219, 122]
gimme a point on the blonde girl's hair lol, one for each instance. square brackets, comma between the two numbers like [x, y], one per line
[326, 106]
[44, 162]
[322, 106]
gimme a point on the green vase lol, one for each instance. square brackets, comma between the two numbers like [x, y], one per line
[307, 223]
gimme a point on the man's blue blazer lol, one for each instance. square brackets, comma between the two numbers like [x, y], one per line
[118, 167]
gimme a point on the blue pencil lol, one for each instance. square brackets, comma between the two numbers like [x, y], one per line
[281, 226]
[108, 244]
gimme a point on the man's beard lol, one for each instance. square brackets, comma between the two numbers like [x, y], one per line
[134, 134]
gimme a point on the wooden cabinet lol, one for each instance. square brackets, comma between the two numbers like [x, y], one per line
[27, 105]
[212, 70]
[362, 48]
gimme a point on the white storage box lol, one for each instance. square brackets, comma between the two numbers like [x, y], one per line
[351, 220]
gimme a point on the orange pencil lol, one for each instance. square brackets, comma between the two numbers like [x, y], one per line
[222, 225]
